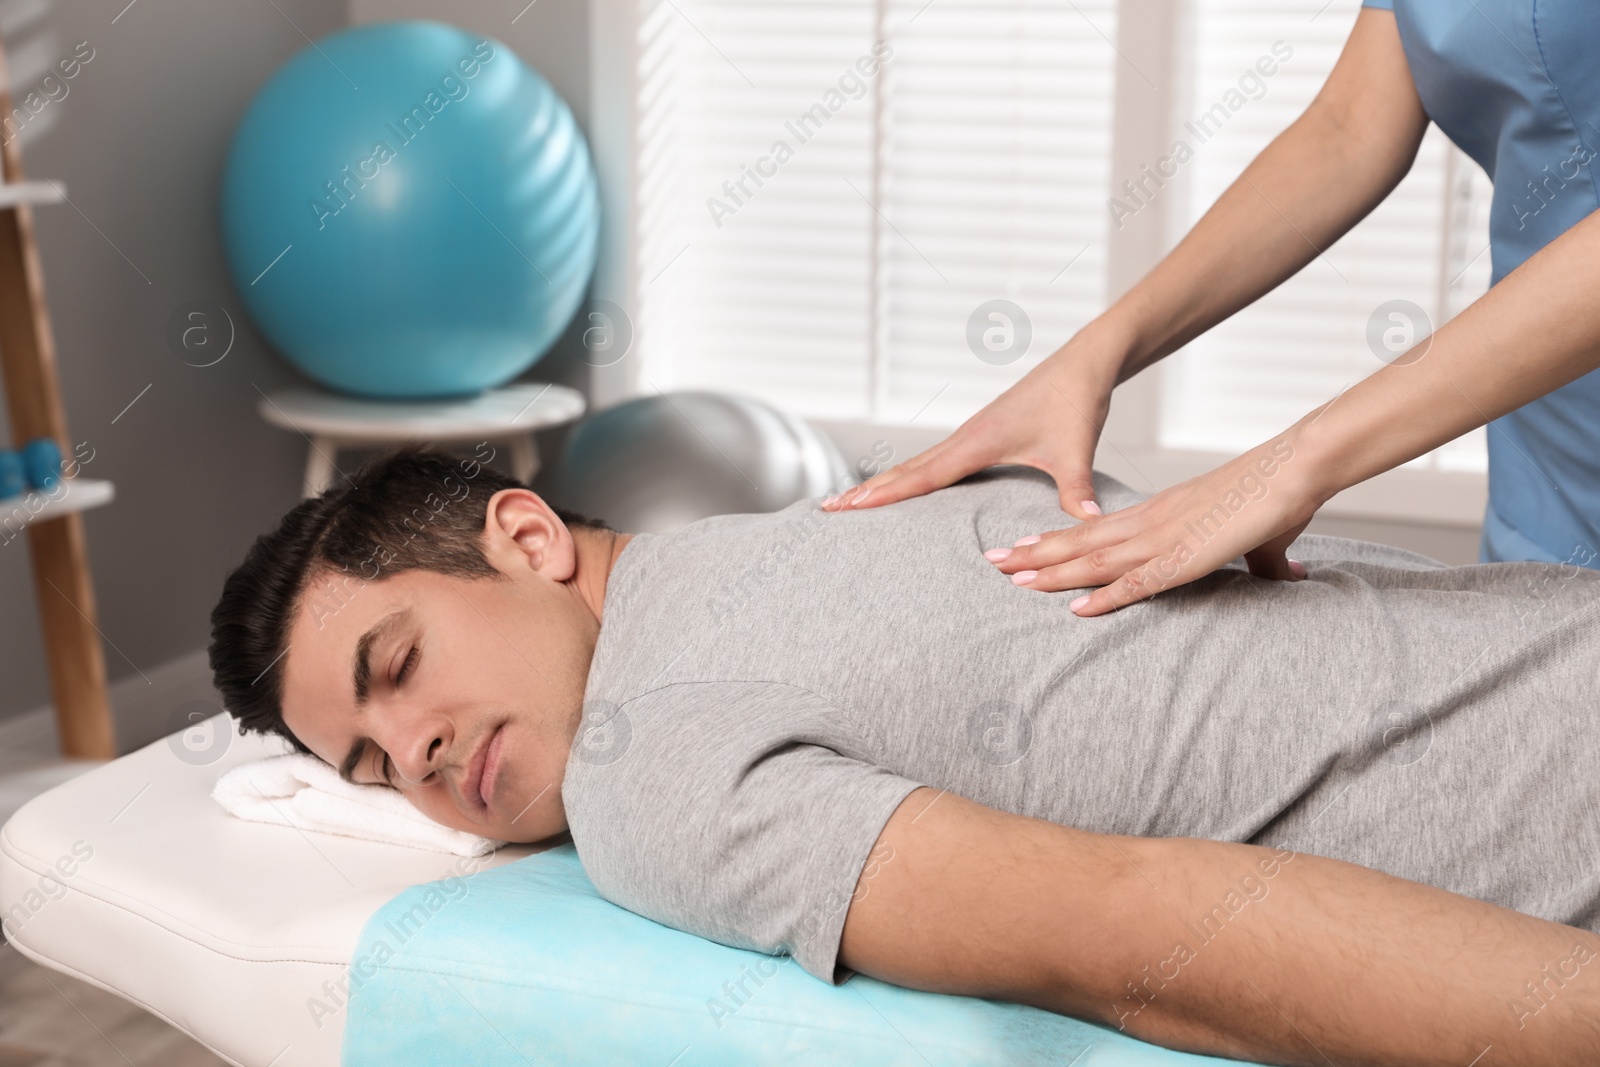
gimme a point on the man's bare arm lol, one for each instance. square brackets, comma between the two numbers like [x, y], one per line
[1231, 950]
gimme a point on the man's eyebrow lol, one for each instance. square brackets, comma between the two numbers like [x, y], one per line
[361, 677]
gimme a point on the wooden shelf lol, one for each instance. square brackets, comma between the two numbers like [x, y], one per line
[31, 192]
[82, 494]
[59, 553]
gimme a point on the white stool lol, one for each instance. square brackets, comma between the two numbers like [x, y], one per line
[329, 422]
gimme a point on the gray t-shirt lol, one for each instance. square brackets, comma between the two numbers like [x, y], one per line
[767, 688]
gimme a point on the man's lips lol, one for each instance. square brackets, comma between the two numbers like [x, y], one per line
[488, 773]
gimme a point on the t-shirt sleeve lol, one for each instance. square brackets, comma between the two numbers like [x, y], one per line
[730, 810]
[1382, 5]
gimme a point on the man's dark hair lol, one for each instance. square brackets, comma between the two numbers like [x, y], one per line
[413, 508]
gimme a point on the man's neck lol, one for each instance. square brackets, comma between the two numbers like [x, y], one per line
[597, 552]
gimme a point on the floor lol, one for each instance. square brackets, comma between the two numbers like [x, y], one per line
[48, 1019]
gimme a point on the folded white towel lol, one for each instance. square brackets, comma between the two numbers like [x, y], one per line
[297, 789]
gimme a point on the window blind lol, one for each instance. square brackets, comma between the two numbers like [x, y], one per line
[829, 193]
[1299, 345]
[831, 265]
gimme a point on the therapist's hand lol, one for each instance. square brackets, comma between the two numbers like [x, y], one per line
[1050, 419]
[1252, 506]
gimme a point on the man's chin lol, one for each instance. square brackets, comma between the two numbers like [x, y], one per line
[551, 840]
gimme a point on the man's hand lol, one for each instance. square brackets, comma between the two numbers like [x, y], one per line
[1230, 950]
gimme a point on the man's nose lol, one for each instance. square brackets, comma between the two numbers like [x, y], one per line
[419, 755]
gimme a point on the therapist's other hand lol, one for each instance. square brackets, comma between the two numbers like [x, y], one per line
[1050, 419]
[1252, 506]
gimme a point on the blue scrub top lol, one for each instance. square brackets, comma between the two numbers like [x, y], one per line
[1516, 84]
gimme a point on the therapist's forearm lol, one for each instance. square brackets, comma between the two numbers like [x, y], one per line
[1308, 187]
[1535, 331]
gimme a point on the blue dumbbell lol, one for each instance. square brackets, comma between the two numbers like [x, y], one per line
[13, 480]
[41, 461]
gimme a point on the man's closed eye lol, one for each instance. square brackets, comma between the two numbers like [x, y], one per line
[385, 765]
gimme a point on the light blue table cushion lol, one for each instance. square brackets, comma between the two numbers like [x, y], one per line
[527, 964]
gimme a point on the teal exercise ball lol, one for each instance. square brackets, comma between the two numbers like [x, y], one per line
[409, 211]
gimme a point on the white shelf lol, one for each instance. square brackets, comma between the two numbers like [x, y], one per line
[31, 192]
[82, 494]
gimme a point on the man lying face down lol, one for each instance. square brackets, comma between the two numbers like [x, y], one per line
[1354, 818]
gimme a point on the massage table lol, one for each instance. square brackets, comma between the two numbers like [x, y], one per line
[290, 948]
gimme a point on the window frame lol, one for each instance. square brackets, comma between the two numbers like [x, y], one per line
[1129, 449]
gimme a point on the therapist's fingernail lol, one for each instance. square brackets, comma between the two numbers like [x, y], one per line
[1079, 603]
[1031, 539]
[828, 502]
[995, 555]
[1090, 506]
[1023, 577]
[1297, 568]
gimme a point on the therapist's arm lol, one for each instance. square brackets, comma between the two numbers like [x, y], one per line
[1535, 331]
[1311, 184]
[1231, 950]
[1315, 180]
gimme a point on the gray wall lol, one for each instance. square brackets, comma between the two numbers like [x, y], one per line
[140, 139]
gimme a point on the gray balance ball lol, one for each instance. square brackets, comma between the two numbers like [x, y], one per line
[659, 462]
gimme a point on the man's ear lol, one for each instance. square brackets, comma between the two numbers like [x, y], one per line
[521, 533]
